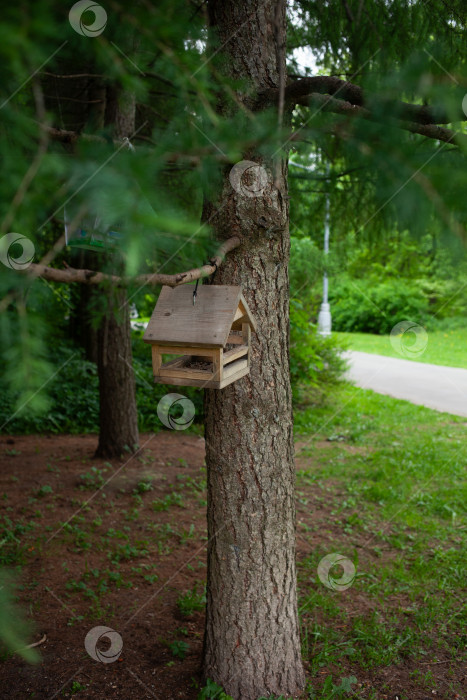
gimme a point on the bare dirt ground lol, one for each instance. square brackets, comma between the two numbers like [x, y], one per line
[121, 554]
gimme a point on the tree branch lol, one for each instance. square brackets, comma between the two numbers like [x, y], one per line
[71, 274]
[330, 85]
[68, 136]
[432, 131]
[191, 159]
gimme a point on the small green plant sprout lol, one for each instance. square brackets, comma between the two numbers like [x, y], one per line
[143, 486]
[187, 534]
[43, 491]
[169, 500]
[190, 602]
[330, 691]
[128, 551]
[212, 691]
[74, 619]
[179, 649]
[93, 479]
[76, 687]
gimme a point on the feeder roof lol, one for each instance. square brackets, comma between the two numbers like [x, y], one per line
[176, 321]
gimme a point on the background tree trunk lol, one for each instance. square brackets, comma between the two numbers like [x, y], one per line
[82, 330]
[252, 645]
[110, 343]
[118, 416]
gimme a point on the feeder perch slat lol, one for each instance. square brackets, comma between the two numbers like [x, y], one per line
[233, 354]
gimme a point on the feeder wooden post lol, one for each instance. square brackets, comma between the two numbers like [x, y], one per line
[246, 336]
[156, 359]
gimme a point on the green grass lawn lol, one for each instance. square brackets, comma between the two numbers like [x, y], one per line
[447, 348]
[382, 482]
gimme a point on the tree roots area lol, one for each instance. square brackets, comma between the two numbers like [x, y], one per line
[122, 545]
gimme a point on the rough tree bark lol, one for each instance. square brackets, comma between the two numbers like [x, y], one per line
[252, 645]
[117, 405]
[82, 330]
[118, 417]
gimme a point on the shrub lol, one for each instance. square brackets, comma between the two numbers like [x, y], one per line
[366, 306]
[316, 362]
[306, 265]
[74, 396]
[73, 405]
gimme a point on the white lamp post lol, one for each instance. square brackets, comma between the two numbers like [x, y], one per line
[324, 316]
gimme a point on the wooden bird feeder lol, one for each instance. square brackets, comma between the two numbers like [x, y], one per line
[212, 336]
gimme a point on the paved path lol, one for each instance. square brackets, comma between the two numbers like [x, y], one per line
[433, 386]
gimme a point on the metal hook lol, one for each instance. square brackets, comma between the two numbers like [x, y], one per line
[195, 292]
[214, 264]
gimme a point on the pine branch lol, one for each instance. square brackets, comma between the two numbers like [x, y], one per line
[189, 159]
[70, 274]
[330, 85]
[65, 136]
[432, 131]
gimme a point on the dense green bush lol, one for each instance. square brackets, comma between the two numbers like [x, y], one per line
[73, 404]
[316, 362]
[73, 392]
[399, 278]
[306, 266]
[366, 306]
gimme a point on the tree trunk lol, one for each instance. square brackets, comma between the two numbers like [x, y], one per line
[118, 416]
[82, 330]
[110, 344]
[252, 645]
[118, 423]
